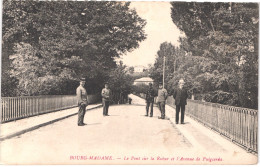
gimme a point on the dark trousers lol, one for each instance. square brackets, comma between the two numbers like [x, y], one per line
[178, 107]
[162, 108]
[81, 113]
[105, 107]
[149, 105]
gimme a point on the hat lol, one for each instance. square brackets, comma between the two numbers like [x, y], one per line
[82, 79]
[106, 83]
[160, 83]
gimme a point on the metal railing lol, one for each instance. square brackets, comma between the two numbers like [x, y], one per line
[240, 125]
[13, 108]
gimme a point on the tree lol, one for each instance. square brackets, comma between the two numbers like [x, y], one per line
[119, 80]
[140, 88]
[68, 39]
[120, 83]
[131, 70]
[223, 39]
[173, 55]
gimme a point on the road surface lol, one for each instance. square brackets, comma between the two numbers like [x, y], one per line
[124, 137]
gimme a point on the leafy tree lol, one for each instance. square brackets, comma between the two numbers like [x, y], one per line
[140, 88]
[131, 70]
[223, 39]
[173, 56]
[120, 83]
[34, 78]
[119, 80]
[64, 41]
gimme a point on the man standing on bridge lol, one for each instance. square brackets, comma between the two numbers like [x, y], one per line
[149, 98]
[161, 99]
[82, 101]
[106, 95]
[180, 95]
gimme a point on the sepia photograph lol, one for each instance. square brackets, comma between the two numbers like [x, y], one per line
[129, 82]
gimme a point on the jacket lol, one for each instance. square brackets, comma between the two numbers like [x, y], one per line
[82, 95]
[150, 94]
[162, 95]
[180, 96]
[106, 94]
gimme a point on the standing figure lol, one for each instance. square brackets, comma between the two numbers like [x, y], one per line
[161, 99]
[129, 100]
[82, 101]
[180, 95]
[149, 98]
[106, 95]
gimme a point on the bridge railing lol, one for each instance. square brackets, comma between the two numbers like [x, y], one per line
[238, 124]
[13, 108]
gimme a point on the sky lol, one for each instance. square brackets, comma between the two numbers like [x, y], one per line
[159, 29]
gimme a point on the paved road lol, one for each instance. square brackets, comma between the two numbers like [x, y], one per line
[126, 136]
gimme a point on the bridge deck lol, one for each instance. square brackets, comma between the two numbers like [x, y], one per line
[125, 137]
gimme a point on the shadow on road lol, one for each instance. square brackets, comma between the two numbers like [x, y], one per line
[95, 124]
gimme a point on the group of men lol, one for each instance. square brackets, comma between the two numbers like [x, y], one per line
[180, 94]
[83, 100]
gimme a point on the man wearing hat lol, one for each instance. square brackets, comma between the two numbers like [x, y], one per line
[149, 99]
[82, 101]
[161, 99]
[180, 95]
[106, 95]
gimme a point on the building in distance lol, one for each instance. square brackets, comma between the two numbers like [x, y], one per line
[143, 80]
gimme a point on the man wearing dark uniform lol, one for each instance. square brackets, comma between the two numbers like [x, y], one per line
[149, 98]
[82, 101]
[161, 100]
[106, 95]
[180, 95]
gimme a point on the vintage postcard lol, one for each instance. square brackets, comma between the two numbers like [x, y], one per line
[129, 83]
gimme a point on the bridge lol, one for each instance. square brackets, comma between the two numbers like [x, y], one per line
[43, 130]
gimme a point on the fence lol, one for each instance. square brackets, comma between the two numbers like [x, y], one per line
[238, 124]
[14, 108]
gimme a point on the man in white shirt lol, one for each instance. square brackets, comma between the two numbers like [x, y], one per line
[106, 95]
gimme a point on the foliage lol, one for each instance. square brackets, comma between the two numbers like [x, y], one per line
[119, 80]
[137, 75]
[221, 46]
[131, 70]
[52, 43]
[173, 56]
[140, 88]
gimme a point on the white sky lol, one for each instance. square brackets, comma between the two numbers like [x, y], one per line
[159, 28]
